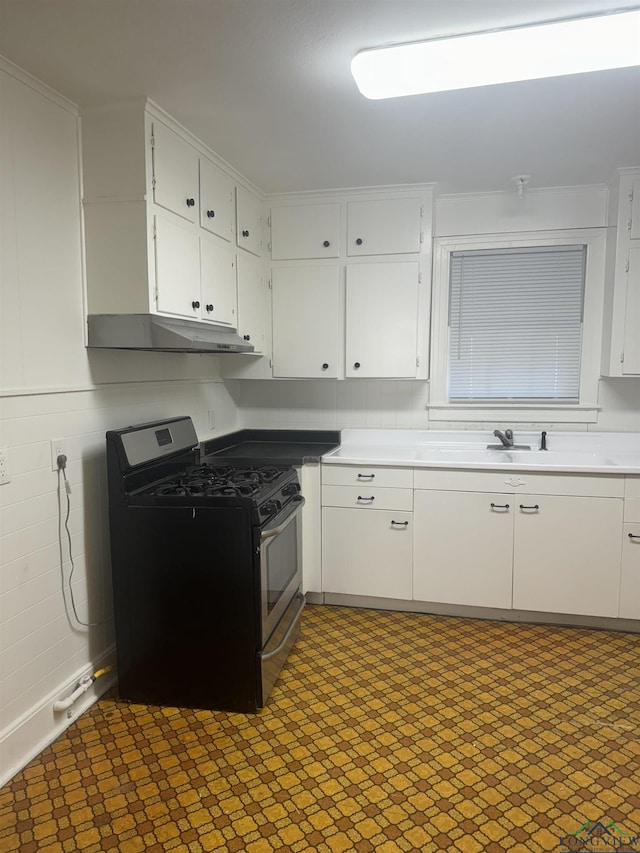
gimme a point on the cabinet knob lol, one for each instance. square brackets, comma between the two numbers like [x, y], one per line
[325, 365]
[247, 337]
[211, 213]
[191, 202]
[359, 241]
[209, 307]
[356, 364]
[245, 233]
[326, 244]
[195, 304]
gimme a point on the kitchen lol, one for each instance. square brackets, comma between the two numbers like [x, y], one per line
[53, 388]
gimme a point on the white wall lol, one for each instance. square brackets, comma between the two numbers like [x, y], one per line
[52, 387]
[371, 404]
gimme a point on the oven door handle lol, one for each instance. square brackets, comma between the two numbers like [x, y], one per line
[274, 531]
[291, 627]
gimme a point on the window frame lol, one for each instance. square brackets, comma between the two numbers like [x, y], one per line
[586, 409]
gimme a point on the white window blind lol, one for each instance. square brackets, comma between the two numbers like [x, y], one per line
[515, 324]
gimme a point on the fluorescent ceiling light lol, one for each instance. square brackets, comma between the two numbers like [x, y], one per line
[500, 56]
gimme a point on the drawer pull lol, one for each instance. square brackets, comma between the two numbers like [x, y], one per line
[500, 506]
[535, 506]
[399, 523]
[634, 535]
[366, 476]
[360, 498]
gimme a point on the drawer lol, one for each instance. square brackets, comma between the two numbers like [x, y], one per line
[372, 475]
[533, 482]
[632, 510]
[368, 497]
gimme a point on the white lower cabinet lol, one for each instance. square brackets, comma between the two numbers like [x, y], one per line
[463, 548]
[567, 554]
[367, 531]
[366, 552]
[630, 574]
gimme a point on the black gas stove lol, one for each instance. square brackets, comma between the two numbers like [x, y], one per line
[206, 567]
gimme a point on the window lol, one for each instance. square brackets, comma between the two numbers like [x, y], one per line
[517, 326]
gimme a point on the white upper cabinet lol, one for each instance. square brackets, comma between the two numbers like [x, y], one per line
[218, 299]
[253, 304]
[160, 218]
[248, 221]
[305, 231]
[385, 227]
[177, 267]
[305, 321]
[216, 200]
[621, 350]
[175, 172]
[382, 320]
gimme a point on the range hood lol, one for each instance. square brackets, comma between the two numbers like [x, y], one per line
[150, 332]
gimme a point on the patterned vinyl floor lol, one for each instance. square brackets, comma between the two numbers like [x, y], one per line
[385, 732]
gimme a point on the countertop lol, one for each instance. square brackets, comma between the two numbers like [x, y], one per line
[571, 452]
[271, 446]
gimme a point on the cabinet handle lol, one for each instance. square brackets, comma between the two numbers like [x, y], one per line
[324, 365]
[399, 523]
[191, 202]
[245, 233]
[247, 337]
[634, 535]
[366, 476]
[535, 506]
[365, 499]
[211, 213]
[356, 364]
[195, 305]
[500, 506]
[326, 244]
[359, 241]
[209, 307]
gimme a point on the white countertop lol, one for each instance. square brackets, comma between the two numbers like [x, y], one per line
[572, 452]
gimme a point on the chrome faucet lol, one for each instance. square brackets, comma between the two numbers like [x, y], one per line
[506, 437]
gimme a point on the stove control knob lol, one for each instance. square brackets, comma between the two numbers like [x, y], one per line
[268, 508]
[291, 489]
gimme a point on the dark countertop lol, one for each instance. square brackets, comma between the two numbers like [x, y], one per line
[277, 446]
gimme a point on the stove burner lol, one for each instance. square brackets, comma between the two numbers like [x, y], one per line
[228, 489]
[170, 489]
[219, 481]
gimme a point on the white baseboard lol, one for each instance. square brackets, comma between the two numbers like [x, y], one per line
[40, 725]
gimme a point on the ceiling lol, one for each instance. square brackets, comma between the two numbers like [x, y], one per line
[266, 84]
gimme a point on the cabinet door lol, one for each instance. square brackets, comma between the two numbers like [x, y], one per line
[252, 301]
[388, 227]
[463, 548]
[305, 321]
[634, 225]
[305, 231]
[177, 260]
[366, 552]
[567, 553]
[216, 200]
[175, 173]
[248, 221]
[630, 576]
[382, 320]
[631, 363]
[219, 299]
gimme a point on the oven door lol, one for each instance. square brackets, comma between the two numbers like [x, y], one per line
[280, 565]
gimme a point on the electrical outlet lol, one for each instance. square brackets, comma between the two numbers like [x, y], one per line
[58, 448]
[4, 468]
